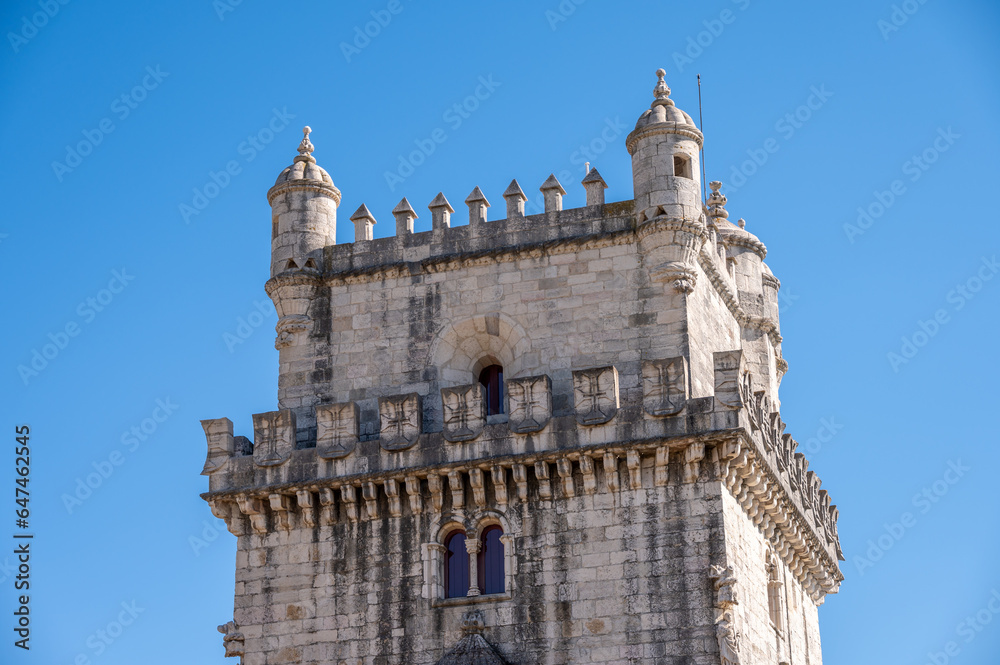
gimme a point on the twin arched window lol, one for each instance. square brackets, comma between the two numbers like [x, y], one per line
[489, 553]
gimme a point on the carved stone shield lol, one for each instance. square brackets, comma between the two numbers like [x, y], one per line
[274, 437]
[664, 386]
[529, 403]
[464, 412]
[402, 421]
[595, 395]
[336, 429]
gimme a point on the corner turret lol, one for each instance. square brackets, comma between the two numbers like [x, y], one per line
[664, 146]
[303, 213]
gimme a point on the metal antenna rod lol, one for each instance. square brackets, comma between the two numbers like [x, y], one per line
[701, 126]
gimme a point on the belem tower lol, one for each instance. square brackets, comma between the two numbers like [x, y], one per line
[552, 438]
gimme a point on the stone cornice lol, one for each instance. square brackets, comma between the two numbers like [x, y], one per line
[303, 185]
[670, 127]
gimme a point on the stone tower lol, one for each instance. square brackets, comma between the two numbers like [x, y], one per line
[552, 438]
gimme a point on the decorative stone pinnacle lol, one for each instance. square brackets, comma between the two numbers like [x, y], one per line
[662, 90]
[717, 201]
[514, 190]
[306, 147]
[742, 222]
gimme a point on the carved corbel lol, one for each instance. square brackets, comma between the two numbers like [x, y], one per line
[349, 496]
[521, 480]
[306, 508]
[327, 516]
[544, 484]
[589, 475]
[611, 472]
[662, 467]
[436, 488]
[369, 492]
[564, 467]
[414, 494]
[693, 455]
[499, 476]
[391, 487]
[477, 482]
[280, 507]
[254, 509]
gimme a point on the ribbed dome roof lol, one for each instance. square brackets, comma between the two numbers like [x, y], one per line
[663, 108]
[304, 167]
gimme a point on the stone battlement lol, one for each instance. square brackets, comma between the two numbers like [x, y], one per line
[349, 261]
[740, 440]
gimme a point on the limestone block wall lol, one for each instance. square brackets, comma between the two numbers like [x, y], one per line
[796, 639]
[603, 577]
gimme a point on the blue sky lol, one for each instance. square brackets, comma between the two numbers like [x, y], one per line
[141, 300]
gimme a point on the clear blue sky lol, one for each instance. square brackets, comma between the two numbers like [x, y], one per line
[884, 430]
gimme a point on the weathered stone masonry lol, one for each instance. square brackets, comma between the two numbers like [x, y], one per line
[653, 509]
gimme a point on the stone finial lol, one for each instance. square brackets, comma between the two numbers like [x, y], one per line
[306, 147]
[405, 215]
[515, 198]
[717, 201]
[553, 192]
[595, 186]
[477, 207]
[662, 91]
[440, 212]
[363, 223]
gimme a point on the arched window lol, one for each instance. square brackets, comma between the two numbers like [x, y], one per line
[490, 563]
[456, 566]
[492, 380]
